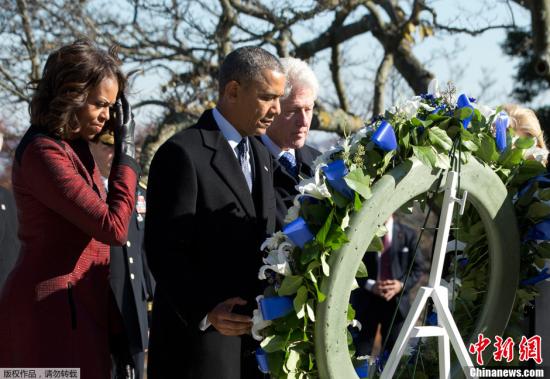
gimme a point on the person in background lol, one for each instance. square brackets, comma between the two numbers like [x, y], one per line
[285, 138]
[131, 281]
[526, 124]
[377, 298]
[9, 244]
[56, 308]
[211, 205]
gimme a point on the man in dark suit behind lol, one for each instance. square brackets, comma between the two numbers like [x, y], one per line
[285, 139]
[9, 243]
[131, 281]
[377, 298]
[211, 205]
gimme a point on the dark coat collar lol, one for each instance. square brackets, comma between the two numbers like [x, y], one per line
[227, 166]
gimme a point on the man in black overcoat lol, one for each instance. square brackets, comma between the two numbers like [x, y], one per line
[210, 206]
[285, 139]
[132, 283]
[377, 298]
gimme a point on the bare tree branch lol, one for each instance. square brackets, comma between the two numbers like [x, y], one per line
[335, 70]
[380, 83]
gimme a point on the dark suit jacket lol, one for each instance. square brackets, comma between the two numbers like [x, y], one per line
[132, 282]
[203, 231]
[401, 254]
[9, 243]
[285, 183]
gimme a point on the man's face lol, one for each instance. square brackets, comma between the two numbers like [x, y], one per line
[257, 103]
[289, 130]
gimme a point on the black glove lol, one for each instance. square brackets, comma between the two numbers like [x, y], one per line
[124, 126]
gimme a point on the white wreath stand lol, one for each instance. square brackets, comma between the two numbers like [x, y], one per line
[446, 331]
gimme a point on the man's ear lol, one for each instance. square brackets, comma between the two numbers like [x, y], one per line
[231, 91]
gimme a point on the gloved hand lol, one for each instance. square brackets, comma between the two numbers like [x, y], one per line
[124, 125]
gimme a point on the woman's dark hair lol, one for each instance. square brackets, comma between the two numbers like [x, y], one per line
[70, 73]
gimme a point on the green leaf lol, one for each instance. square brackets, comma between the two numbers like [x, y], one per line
[376, 244]
[323, 232]
[442, 161]
[404, 136]
[359, 182]
[357, 204]
[416, 122]
[310, 309]
[487, 150]
[470, 145]
[426, 155]
[463, 113]
[273, 343]
[524, 142]
[527, 170]
[361, 271]
[293, 361]
[336, 238]
[544, 194]
[300, 300]
[468, 293]
[310, 252]
[351, 312]
[290, 285]
[537, 211]
[544, 250]
[340, 200]
[324, 265]
[511, 158]
[440, 138]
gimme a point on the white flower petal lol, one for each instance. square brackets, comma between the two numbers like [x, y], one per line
[258, 324]
[433, 88]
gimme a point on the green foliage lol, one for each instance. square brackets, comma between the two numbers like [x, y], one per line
[431, 138]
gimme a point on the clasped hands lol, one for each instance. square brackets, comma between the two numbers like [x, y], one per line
[228, 323]
[387, 288]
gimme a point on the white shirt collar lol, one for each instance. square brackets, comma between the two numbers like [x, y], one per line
[231, 134]
[389, 226]
[275, 150]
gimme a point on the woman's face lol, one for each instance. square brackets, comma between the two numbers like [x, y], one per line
[93, 115]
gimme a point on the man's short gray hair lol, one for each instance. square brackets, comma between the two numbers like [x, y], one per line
[246, 64]
[299, 75]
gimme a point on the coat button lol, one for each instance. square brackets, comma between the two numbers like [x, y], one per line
[129, 244]
[132, 276]
[131, 260]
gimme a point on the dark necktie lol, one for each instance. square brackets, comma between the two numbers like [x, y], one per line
[242, 152]
[385, 259]
[289, 163]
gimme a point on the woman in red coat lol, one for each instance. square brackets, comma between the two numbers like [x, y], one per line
[55, 309]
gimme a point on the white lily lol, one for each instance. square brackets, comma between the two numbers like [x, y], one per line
[258, 322]
[315, 186]
[277, 261]
[294, 211]
[355, 324]
[358, 136]
[409, 108]
[484, 110]
[273, 242]
[433, 88]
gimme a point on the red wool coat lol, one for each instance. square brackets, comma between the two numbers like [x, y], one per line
[55, 306]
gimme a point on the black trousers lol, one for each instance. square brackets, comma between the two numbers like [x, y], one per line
[372, 310]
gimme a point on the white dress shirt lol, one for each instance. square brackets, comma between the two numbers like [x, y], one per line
[274, 149]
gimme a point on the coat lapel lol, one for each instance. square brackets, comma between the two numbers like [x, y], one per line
[304, 163]
[263, 178]
[224, 161]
